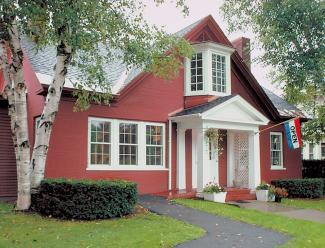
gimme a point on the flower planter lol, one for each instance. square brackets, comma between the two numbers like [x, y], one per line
[215, 197]
[262, 195]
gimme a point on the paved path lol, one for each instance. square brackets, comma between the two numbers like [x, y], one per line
[276, 208]
[221, 232]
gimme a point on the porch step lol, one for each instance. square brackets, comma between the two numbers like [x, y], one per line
[177, 194]
[236, 194]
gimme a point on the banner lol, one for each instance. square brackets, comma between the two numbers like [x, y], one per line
[293, 133]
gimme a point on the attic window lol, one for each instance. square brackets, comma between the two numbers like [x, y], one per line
[197, 72]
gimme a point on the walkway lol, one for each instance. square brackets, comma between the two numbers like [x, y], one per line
[276, 208]
[221, 232]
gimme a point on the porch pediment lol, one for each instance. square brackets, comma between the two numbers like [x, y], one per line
[234, 109]
[237, 110]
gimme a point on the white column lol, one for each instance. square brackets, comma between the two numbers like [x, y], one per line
[254, 160]
[203, 170]
[230, 158]
[194, 158]
[181, 175]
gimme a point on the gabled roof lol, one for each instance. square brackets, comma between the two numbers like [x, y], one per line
[116, 72]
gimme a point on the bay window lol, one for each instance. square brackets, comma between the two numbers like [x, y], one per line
[208, 71]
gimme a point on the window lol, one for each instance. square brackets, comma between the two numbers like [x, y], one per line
[311, 151]
[196, 72]
[154, 145]
[128, 144]
[322, 150]
[276, 150]
[100, 142]
[218, 73]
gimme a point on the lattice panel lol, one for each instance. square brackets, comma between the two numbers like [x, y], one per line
[241, 160]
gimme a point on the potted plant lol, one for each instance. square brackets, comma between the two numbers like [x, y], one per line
[280, 193]
[214, 192]
[264, 192]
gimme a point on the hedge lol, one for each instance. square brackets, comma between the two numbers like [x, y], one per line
[313, 168]
[301, 188]
[85, 199]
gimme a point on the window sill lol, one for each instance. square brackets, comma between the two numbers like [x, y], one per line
[278, 168]
[125, 168]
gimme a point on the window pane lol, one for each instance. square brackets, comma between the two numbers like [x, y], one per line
[276, 150]
[196, 72]
[218, 73]
[154, 145]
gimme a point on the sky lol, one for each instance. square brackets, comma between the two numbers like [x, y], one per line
[172, 19]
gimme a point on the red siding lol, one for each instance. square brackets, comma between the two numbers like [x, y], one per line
[67, 155]
[8, 171]
[291, 158]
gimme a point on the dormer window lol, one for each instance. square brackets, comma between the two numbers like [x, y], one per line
[197, 72]
[208, 71]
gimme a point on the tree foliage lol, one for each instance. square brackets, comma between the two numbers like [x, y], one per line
[292, 34]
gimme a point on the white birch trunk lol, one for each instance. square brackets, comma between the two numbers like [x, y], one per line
[43, 131]
[21, 120]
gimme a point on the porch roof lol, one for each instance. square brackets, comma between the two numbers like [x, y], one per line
[204, 107]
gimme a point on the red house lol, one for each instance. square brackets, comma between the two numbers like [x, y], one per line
[154, 131]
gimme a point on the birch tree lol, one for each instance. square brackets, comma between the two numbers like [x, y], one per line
[87, 34]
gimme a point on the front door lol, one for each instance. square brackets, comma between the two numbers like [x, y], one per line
[241, 160]
[213, 163]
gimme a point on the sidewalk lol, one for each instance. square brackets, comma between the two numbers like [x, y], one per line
[272, 207]
[221, 232]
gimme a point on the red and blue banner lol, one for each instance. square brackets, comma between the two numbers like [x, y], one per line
[293, 133]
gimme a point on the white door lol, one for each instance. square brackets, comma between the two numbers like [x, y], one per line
[213, 163]
[241, 160]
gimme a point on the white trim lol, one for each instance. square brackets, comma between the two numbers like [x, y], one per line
[141, 165]
[278, 167]
[169, 154]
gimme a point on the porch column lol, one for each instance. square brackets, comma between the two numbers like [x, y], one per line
[203, 170]
[181, 175]
[254, 160]
[230, 158]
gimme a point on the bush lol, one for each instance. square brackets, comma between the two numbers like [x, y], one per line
[301, 188]
[313, 168]
[85, 199]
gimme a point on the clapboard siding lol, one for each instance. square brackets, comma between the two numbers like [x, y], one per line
[8, 172]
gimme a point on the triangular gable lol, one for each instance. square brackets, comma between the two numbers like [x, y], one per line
[236, 109]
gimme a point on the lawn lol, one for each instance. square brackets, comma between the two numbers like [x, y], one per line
[140, 230]
[303, 203]
[304, 233]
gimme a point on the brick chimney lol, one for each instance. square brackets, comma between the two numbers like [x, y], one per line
[242, 46]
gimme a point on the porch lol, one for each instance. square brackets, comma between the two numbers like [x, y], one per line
[233, 162]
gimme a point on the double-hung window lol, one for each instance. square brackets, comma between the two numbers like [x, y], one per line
[197, 72]
[100, 142]
[276, 150]
[128, 143]
[311, 151]
[322, 147]
[154, 145]
[218, 73]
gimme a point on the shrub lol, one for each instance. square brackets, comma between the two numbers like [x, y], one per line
[85, 199]
[301, 188]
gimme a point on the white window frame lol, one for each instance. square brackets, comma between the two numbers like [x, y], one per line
[161, 145]
[277, 167]
[207, 49]
[115, 165]
[312, 151]
[322, 145]
[130, 144]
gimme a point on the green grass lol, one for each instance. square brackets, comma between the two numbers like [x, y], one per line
[141, 230]
[305, 203]
[303, 233]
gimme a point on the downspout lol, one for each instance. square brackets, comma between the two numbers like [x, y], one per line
[169, 155]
